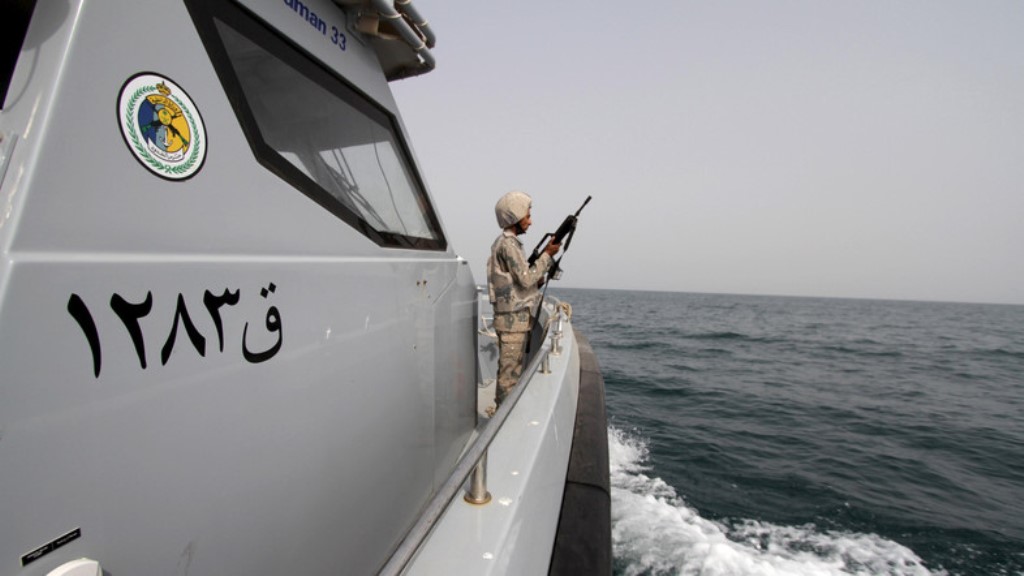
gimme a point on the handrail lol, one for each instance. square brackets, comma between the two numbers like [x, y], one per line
[415, 38]
[406, 21]
[421, 529]
[421, 24]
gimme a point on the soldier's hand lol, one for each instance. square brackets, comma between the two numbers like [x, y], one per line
[551, 249]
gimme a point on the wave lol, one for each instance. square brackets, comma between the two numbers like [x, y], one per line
[725, 335]
[857, 351]
[1003, 352]
[731, 335]
[655, 533]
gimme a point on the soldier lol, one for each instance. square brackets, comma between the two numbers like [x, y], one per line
[513, 287]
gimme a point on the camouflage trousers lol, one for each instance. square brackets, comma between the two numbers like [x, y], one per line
[511, 347]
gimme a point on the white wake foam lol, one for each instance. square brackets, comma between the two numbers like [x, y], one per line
[654, 532]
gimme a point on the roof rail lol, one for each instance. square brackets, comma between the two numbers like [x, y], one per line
[401, 21]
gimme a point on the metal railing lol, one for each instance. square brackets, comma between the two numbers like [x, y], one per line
[474, 461]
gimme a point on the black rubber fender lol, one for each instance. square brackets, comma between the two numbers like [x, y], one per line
[583, 544]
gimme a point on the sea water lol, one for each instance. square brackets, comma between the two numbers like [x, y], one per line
[768, 435]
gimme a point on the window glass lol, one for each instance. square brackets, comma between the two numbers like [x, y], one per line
[334, 144]
[15, 15]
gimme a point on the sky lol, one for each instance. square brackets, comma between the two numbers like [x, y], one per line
[840, 148]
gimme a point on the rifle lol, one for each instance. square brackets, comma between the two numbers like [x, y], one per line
[567, 229]
[566, 232]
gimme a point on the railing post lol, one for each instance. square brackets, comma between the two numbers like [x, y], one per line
[477, 493]
[556, 338]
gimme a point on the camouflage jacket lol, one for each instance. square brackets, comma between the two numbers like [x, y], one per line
[511, 282]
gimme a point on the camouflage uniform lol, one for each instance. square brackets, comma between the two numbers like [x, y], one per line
[512, 287]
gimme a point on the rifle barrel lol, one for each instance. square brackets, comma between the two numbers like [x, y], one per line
[585, 202]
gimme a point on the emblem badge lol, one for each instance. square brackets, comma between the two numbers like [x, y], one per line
[162, 126]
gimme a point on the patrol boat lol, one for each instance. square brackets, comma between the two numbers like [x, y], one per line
[234, 337]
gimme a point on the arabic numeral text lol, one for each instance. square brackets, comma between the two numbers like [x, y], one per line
[338, 38]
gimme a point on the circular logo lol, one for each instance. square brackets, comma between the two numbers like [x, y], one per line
[162, 126]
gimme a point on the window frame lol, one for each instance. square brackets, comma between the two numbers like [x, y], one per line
[204, 14]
